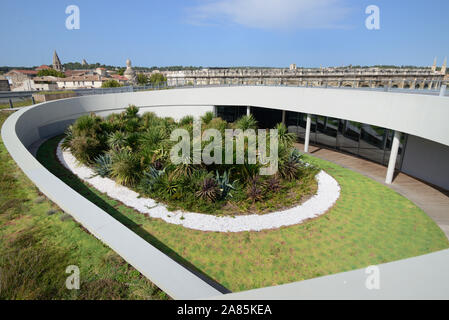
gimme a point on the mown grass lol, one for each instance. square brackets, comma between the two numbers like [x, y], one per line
[17, 104]
[370, 224]
[38, 242]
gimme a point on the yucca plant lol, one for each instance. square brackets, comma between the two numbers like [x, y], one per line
[246, 122]
[186, 120]
[207, 118]
[168, 186]
[285, 137]
[103, 164]
[131, 111]
[117, 140]
[125, 167]
[208, 190]
[288, 169]
[67, 139]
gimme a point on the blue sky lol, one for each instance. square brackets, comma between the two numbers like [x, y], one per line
[274, 33]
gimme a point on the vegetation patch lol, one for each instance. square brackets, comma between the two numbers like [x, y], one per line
[37, 244]
[135, 151]
[370, 224]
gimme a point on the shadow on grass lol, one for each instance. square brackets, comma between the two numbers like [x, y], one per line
[46, 155]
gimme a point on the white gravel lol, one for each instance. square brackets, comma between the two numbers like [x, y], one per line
[327, 194]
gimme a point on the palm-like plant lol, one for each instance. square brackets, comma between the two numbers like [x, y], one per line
[246, 122]
[207, 118]
[125, 167]
[186, 120]
[285, 137]
[117, 140]
[131, 111]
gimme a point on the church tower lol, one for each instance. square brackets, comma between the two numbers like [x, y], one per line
[443, 68]
[56, 62]
[434, 67]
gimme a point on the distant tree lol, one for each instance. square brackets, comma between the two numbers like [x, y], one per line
[50, 72]
[111, 84]
[121, 71]
[142, 79]
[157, 78]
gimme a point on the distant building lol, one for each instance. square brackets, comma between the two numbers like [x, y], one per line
[78, 82]
[57, 65]
[84, 63]
[46, 83]
[43, 67]
[293, 66]
[20, 80]
[4, 84]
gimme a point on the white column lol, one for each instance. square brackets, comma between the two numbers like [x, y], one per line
[283, 116]
[393, 157]
[248, 110]
[443, 90]
[307, 137]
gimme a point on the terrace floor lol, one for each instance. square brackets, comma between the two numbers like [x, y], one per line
[434, 202]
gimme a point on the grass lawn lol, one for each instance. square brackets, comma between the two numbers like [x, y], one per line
[369, 224]
[17, 104]
[38, 242]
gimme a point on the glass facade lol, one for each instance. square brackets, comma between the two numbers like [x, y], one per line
[360, 139]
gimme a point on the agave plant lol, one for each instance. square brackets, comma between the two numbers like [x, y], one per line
[125, 167]
[150, 179]
[224, 185]
[103, 164]
[295, 156]
[246, 122]
[208, 190]
[285, 137]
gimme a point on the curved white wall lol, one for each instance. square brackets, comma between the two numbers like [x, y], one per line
[419, 115]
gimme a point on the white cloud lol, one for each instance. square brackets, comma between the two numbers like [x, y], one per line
[271, 14]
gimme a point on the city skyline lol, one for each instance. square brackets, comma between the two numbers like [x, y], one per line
[229, 33]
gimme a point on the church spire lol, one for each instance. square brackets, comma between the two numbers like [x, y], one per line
[56, 62]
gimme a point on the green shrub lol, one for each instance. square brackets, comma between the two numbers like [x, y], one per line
[125, 167]
[186, 120]
[207, 118]
[285, 137]
[246, 122]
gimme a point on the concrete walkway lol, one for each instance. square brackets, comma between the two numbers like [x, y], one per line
[434, 202]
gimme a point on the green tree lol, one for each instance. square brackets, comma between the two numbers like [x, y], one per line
[157, 78]
[50, 72]
[111, 84]
[142, 79]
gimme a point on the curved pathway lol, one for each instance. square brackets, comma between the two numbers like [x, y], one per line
[432, 201]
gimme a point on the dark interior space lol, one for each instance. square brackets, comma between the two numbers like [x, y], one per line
[266, 118]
